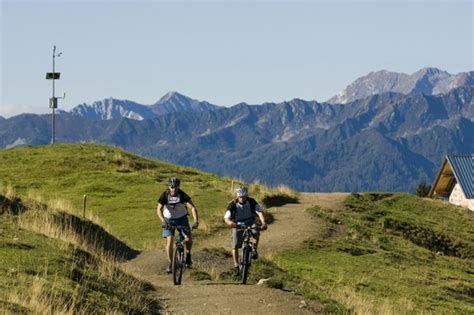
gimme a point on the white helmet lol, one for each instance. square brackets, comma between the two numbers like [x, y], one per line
[241, 191]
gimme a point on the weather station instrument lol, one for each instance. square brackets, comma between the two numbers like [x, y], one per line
[53, 101]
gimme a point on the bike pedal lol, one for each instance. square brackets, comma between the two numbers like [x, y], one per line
[237, 272]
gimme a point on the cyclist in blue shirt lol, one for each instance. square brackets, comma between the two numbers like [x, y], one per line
[243, 210]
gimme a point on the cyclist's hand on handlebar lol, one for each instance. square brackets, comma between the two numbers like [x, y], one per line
[165, 225]
[263, 227]
[195, 225]
[233, 225]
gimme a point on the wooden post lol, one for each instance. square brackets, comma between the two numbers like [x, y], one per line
[84, 209]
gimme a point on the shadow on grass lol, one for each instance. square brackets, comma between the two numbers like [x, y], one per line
[434, 241]
[13, 206]
[95, 235]
[278, 200]
[91, 233]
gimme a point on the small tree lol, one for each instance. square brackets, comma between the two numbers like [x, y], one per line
[423, 190]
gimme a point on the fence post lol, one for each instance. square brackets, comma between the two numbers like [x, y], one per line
[84, 209]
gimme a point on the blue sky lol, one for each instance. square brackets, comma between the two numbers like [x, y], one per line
[224, 52]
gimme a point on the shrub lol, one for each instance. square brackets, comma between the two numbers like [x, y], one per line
[423, 190]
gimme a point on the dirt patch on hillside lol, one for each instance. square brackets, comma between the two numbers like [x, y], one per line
[292, 226]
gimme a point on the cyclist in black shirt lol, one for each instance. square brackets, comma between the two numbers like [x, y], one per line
[172, 209]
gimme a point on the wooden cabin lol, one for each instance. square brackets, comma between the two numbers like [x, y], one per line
[455, 181]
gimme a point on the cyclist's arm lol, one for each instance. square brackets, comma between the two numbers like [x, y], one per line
[229, 222]
[261, 217]
[193, 209]
[159, 212]
[227, 219]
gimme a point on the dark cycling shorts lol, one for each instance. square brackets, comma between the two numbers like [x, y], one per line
[183, 221]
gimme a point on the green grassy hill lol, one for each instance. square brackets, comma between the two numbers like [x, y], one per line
[385, 254]
[381, 253]
[53, 259]
[122, 189]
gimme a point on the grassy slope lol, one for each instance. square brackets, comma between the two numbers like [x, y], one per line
[47, 275]
[122, 189]
[421, 263]
[385, 260]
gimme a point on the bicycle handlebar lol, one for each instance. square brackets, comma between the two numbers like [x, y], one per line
[251, 227]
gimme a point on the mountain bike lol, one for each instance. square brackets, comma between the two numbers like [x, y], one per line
[178, 264]
[248, 247]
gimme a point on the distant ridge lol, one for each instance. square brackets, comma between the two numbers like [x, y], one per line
[387, 141]
[109, 109]
[382, 142]
[429, 81]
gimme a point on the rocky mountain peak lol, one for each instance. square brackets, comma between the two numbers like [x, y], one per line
[172, 96]
[176, 102]
[431, 71]
[428, 80]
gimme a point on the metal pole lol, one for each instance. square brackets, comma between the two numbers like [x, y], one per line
[84, 211]
[53, 136]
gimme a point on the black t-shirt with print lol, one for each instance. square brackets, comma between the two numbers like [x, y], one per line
[166, 198]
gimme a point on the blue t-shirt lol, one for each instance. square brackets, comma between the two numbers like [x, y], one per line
[243, 212]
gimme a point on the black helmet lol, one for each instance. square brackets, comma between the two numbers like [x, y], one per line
[173, 182]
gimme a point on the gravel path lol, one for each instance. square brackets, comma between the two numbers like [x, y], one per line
[205, 297]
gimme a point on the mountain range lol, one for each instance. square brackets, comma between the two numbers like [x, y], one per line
[111, 108]
[430, 81]
[388, 141]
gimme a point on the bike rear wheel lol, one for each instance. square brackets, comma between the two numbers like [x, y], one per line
[245, 263]
[178, 265]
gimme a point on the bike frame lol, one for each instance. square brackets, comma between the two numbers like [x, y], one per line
[179, 257]
[247, 248]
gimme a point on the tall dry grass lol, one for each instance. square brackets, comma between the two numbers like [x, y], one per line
[359, 303]
[38, 294]
[39, 300]
[261, 192]
[271, 196]
[43, 296]
[125, 163]
[9, 191]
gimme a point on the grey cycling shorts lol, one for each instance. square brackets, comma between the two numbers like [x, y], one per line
[237, 237]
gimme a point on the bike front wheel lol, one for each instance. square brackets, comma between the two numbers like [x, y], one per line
[245, 263]
[178, 265]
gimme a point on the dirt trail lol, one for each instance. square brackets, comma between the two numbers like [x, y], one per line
[204, 297]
